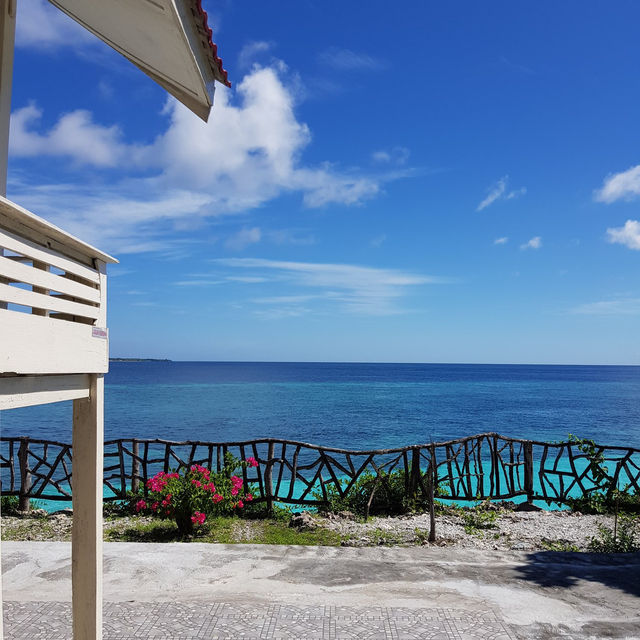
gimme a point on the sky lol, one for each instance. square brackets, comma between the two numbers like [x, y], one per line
[416, 182]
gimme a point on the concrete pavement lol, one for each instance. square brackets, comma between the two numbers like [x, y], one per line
[197, 591]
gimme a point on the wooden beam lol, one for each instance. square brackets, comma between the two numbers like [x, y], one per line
[26, 391]
[7, 39]
[86, 540]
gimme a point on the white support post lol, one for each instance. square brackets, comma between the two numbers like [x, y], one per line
[7, 39]
[86, 546]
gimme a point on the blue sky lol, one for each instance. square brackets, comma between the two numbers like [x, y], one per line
[428, 182]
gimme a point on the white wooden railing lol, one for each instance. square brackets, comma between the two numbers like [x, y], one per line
[52, 298]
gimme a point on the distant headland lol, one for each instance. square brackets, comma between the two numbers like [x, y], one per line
[140, 360]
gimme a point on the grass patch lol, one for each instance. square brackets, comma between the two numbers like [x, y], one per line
[223, 530]
[477, 521]
[559, 545]
[24, 529]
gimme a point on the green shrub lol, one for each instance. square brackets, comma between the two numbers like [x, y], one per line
[624, 537]
[389, 496]
[9, 505]
[600, 503]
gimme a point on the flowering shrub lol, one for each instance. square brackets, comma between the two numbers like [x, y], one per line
[189, 498]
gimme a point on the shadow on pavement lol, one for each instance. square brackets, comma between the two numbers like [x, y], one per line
[564, 569]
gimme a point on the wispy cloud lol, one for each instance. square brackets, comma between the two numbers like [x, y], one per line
[617, 307]
[397, 155]
[244, 238]
[627, 235]
[290, 236]
[254, 52]
[248, 154]
[350, 288]
[378, 241]
[534, 243]
[499, 191]
[514, 66]
[620, 186]
[502, 240]
[349, 60]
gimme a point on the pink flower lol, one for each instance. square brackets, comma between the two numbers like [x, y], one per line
[141, 504]
[154, 506]
[252, 462]
[248, 497]
[217, 498]
[234, 491]
[240, 504]
[198, 517]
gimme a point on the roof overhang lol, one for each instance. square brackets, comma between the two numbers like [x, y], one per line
[169, 40]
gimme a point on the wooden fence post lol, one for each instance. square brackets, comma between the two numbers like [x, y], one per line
[135, 467]
[414, 478]
[528, 471]
[25, 475]
[268, 477]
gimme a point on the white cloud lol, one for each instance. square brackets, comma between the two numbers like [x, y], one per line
[516, 193]
[248, 154]
[502, 240]
[243, 238]
[42, 26]
[534, 243]
[616, 307]
[75, 136]
[351, 288]
[620, 186]
[397, 155]
[253, 52]
[348, 60]
[290, 236]
[628, 235]
[499, 192]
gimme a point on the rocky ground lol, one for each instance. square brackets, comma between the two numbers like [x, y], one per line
[500, 529]
[521, 531]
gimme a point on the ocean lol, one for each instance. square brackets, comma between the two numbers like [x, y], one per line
[351, 405]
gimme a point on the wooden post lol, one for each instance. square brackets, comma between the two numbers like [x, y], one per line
[7, 39]
[86, 542]
[414, 478]
[268, 477]
[528, 471]
[433, 481]
[25, 475]
[135, 467]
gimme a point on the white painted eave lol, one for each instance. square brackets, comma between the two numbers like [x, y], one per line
[166, 39]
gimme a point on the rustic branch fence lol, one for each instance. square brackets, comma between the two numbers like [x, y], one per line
[467, 469]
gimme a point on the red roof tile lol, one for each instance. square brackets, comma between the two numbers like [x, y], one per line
[216, 62]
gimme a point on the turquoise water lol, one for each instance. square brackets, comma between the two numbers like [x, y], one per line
[355, 406]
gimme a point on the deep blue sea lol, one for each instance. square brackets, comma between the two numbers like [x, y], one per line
[353, 405]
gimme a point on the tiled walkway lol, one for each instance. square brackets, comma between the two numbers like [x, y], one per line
[182, 621]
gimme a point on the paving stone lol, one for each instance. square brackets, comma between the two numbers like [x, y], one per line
[239, 621]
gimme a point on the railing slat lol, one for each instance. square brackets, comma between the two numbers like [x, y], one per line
[17, 272]
[26, 298]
